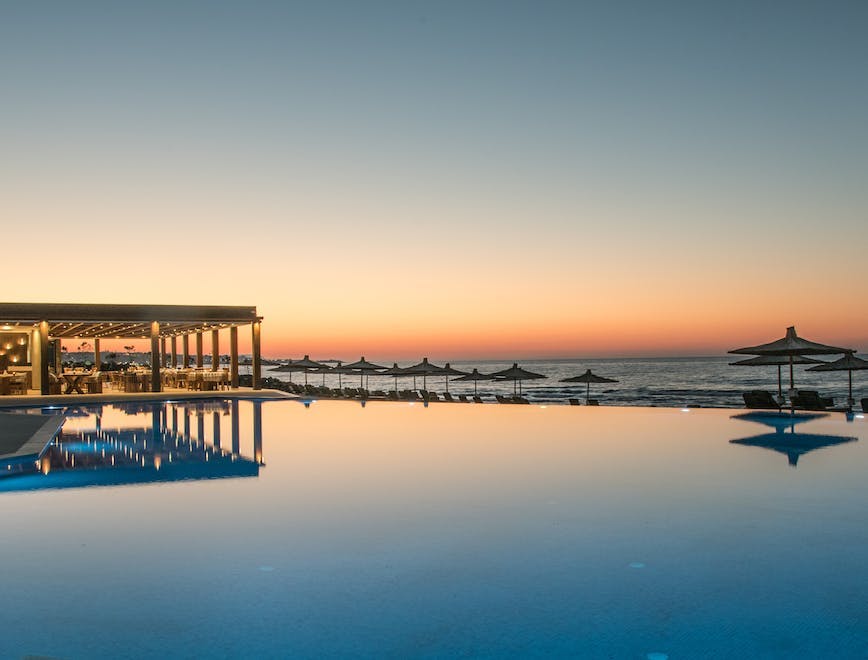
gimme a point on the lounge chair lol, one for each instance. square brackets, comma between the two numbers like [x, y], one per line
[575, 402]
[501, 399]
[593, 402]
[393, 395]
[520, 399]
[432, 396]
[463, 398]
[477, 399]
[810, 400]
[865, 404]
[760, 399]
[448, 397]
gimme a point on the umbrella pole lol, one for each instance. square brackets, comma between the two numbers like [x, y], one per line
[447, 384]
[850, 388]
[305, 378]
[587, 392]
[475, 393]
[780, 388]
[791, 372]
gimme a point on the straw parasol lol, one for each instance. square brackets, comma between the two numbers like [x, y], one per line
[775, 360]
[394, 371]
[474, 376]
[791, 345]
[516, 374]
[848, 363]
[363, 367]
[588, 378]
[305, 364]
[449, 371]
[424, 369]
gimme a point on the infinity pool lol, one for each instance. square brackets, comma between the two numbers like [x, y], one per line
[276, 529]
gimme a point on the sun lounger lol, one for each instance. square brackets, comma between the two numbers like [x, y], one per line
[477, 399]
[593, 402]
[432, 396]
[519, 399]
[810, 400]
[865, 405]
[393, 395]
[575, 402]
[760, 400]
[501, 399]
[463, 398]
[448, 397]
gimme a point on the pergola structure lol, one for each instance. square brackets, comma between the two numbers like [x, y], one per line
[157, 322]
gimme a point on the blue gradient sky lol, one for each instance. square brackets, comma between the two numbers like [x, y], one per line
[456, 178]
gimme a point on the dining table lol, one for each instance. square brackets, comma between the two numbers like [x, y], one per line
[73, 381]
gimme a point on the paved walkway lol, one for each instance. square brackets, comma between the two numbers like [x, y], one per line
[24, 437]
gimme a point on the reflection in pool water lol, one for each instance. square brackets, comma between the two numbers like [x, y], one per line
[397, 530]
[793, 444]
[149, 447]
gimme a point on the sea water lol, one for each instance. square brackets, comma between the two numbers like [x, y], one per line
[709, 381]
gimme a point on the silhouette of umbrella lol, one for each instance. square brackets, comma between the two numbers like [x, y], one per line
[305, 364]
[449, 371]
[424, 369]
[775, 360]
[791, 345]
[516, 374]
[588, 378]
[363, 367]
[474, 376]
[848, 363]
[394, 371]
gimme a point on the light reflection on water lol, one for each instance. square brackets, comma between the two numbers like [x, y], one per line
[453, 529]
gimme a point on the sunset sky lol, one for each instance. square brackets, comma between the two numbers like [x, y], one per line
[452, 179]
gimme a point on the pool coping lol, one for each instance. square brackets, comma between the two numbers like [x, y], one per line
[63, 400]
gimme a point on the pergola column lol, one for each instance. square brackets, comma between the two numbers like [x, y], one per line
[199, 361]
[257, 357]
[155, 356]
[185, 346]
[235, 428]
[44, 384]
[174, 351]
[96, 360]
[233, 357]
[216, 423]
[257, 431]
[215, 350]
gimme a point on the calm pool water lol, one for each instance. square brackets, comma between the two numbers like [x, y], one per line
[455, 530]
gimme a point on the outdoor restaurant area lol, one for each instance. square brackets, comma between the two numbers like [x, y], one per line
[32, 336]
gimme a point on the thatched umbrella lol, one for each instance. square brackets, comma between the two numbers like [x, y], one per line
[588, 378]
[394, 371]
[305, 364]
[848, 363]
[363, 367]
[791, 346]
[775, 360]
[449, 371]
[474, 376]
[516, 374]
[424, 369]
